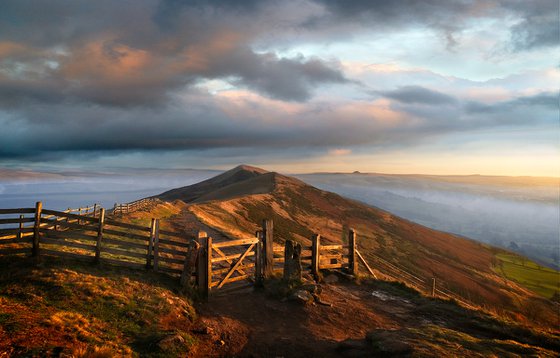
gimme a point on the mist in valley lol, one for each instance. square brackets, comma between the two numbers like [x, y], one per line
[521, 218]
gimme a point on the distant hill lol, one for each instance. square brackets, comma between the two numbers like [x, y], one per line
[236, 202]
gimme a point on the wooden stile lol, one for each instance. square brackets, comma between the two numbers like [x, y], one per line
[99, 235]
[36, 227]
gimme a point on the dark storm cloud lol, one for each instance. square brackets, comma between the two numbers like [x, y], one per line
[418, 94]
[115, 54]
[538, 25]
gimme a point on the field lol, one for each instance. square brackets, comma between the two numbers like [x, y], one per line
[539, 279]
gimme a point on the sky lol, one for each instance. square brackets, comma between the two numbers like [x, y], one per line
[433, 87]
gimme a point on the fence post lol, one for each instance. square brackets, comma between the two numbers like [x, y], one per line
[19, 234]
[352, 259]
[36, 226]
[259, 259]
[79, 213]
[203, 265]
[151, 243]
[268, 259]
[99, 236]
[315, 255]
[433, 287]
[190, 263]
[94, 210]
[156, 244]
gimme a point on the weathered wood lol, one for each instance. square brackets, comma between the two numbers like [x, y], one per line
[68, 235]
[94, 210]
[66, 254]
[202, 267]
[20, 227]
[51, 223]
[189, 266]
[151, 243]
[331, 256]
[18, 211]
[331, 247]
[315, 252]
[231, 280]
[127, 225]
[125, 243]
[15, 231]
[352, 259]
[172, 242]
[363, 261]
[165, 250]
[292, 261]
[179, 235]
[230, 257]
[332, 266]
[70, 216]
[268, 245]
[221, 253]
[235, 243]
[98, 242]
[433, 287]
[125, 234]
[208, 260]
[240, 269]
[259, 256]
[64, 243]
[126, 253]
[171, 260]
[237, 264]
[37, 225]
[19, 220]
[156, 244]
[14, 251]
[16, 240]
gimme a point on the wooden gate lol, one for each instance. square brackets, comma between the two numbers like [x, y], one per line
[221, 263]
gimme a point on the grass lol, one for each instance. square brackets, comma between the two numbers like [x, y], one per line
[539, 279]
[82, 310]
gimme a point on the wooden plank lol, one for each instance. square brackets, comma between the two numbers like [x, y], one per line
[122, 263]
[125, 243]
[124, 252]
[99, 239]
[171, 251]
[16, 240]
[65, 254]
[331, 266]
[259, 278]
[151, 244]
[16, 220]
[189, 266]
[171, 260]
[17, 211]
[15, 231]
[60, 242]
[173, 243]
[360, 257]
[68, 235]
[15, 251]
[225, 270]
[70, 225]
[221, 253]
[235, 243]
[331, 247]
[128, 235]
[71, 216]
[237, 264]
[230, 257]
[127, 225]
[172, 233]
[352, 259]
[331, 256]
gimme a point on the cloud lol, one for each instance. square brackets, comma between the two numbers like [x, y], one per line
[419, 94]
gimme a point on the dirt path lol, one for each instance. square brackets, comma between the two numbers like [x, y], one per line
[187, 221]
[279, 328]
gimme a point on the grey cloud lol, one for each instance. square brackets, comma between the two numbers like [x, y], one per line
[420, 95]
[543, 100]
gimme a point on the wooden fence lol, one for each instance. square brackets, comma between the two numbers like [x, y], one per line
[127, 208]
[87, 234]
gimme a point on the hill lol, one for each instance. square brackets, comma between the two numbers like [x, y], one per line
[236, 202]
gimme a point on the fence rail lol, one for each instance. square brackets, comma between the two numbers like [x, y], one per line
[127, 208]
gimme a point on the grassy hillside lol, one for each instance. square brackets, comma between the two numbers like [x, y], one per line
[463, 266]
